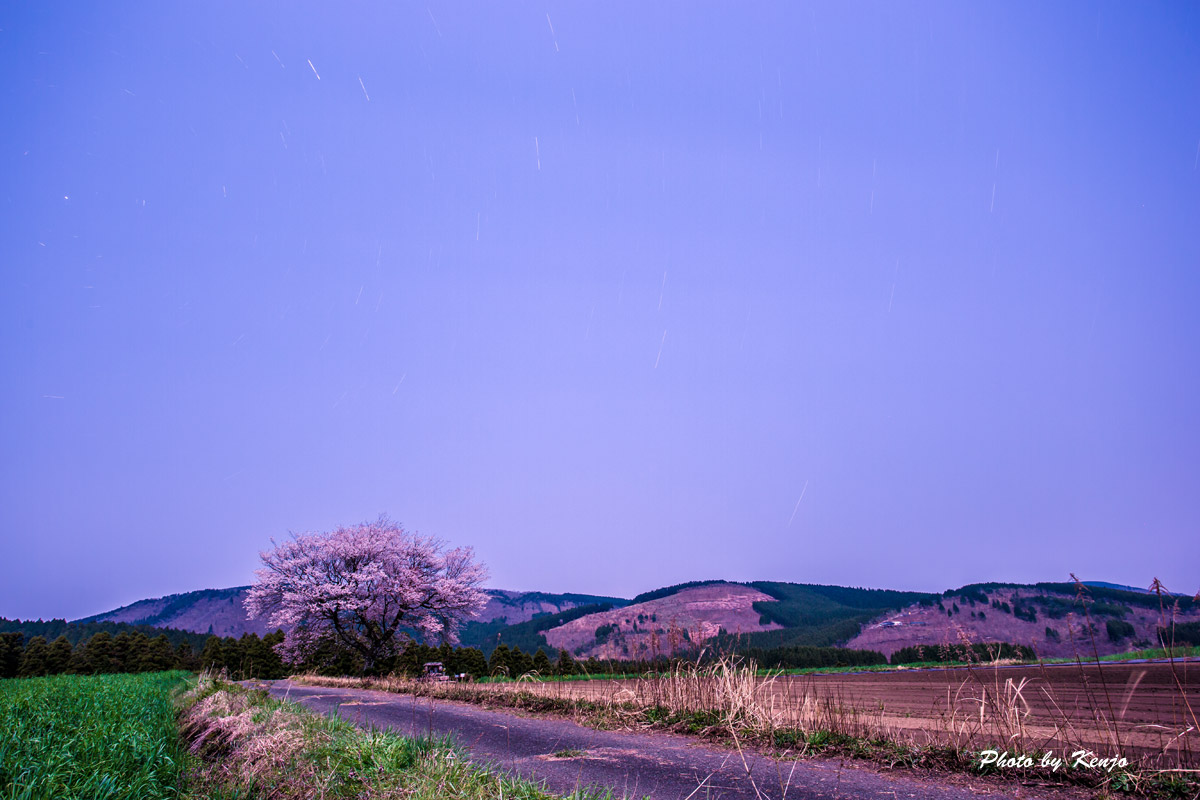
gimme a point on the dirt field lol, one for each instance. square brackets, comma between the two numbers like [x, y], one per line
[1126, 709]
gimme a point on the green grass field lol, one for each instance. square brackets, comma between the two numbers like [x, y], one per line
[115, 737]
[1157, 652]
[103, 737]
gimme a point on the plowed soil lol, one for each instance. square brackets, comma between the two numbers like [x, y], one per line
[1116, 709]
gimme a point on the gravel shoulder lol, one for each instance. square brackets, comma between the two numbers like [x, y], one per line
[635, 765]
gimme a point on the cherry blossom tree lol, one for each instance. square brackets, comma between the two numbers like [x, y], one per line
[365, 586]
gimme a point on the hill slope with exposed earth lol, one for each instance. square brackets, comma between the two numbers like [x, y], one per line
[730, 616]
[1050, 620]
[664, 625]
[221, 611]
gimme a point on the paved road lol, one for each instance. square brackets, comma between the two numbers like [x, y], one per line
[661, 766]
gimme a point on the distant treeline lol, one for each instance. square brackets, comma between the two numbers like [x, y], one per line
[1123, 596]
[1093, 594]
[802, 657]
[330, 659]
[24, 656]
[529, 635]
[102, 653]
[768, 658]
[504, 662]
[667, 591]
[814, 615]
[850, 596]
[244, 658]
[513, 662]
[253, 657]
[1187, 633]
[1052, 605]
[827, 634]
[77, 632]
[983, 651]
[559, 599]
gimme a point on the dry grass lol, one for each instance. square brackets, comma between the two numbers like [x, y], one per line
[241, 743]
[248, 745]
[800, 715]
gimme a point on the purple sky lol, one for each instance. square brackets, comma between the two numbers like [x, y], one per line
[622, 294]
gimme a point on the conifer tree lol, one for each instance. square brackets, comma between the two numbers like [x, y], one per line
[231, 650]
[247, 648]
[347, 662]
[406, 662]
[212, 657]
[185, 658]
[34, 659]
[260, 660]
[58, 660]
[566, 664]
[273, 667]
[98, 655]
[137, 654]
[259, 657]
[78, 665]
[158, 656]
[448, 659]
[119, 653]
[519, 662]
[498, 665]
[11, 647]
[541, 663]
[471, 661]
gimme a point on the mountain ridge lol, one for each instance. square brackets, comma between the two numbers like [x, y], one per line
[754, 615]
[222, 612]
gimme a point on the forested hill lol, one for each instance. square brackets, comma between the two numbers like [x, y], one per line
[216, 611]
[820, 615]
[752, 616]
[528, 635]
[221, 611]
[76, 632]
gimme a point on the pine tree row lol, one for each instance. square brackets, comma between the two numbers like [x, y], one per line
[247, 657]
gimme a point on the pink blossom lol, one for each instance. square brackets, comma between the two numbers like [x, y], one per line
[363, 586]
